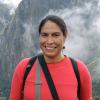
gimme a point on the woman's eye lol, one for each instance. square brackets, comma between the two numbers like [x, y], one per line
[44, 34]
[56, 35]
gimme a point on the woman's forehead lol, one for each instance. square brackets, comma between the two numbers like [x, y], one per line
[49, 25]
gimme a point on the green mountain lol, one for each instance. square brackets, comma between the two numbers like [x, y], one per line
[94, 67]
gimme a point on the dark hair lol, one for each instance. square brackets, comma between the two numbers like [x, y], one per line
[60, 22]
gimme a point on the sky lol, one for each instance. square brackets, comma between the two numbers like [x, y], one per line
[13, 3]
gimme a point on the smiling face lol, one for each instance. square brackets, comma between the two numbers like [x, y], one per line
[51, 40]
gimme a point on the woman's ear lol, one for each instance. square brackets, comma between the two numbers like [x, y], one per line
[63, 47]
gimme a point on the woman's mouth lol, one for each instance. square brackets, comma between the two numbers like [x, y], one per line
[50, 48]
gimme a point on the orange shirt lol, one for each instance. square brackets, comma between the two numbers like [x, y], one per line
[64, 79]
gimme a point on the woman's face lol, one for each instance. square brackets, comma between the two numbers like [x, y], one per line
[51, 39]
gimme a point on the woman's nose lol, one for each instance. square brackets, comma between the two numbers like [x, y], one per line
[50, 40]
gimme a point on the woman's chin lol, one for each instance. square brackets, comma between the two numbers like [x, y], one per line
[50, 55]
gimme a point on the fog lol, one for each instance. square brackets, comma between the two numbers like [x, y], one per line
[83, 24]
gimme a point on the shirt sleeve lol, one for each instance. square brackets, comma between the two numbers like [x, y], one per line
[16, 84]
[86, 82]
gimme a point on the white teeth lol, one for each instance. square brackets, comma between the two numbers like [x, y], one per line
[49, 48]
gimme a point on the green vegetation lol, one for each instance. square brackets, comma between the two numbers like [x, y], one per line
[3, 98]
[96, 97]
[4, 89]
[96, 90]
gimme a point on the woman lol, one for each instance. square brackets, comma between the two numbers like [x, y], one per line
[52, 36]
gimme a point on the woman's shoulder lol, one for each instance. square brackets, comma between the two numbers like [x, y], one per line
[83, 70]
[81, 65]
[20, 67]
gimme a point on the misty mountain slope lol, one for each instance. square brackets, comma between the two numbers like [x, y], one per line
[94, 67]
[20, 36]
[5, 16]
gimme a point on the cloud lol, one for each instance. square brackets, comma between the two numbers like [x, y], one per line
[84, 30]
[99, 3]
[97, 24]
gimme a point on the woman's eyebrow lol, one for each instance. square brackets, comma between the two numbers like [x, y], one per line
[43, 33]
[57, 32]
